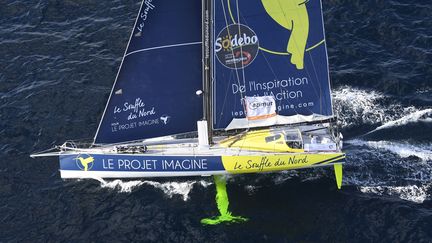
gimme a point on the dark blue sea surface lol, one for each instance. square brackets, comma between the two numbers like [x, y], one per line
[58, 60]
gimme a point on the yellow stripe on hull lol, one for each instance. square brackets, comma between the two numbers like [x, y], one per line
[254, 164]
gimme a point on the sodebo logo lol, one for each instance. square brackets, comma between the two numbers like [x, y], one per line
[236, 46]
[235, 42]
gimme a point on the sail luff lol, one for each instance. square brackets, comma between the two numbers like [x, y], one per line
[118, 71]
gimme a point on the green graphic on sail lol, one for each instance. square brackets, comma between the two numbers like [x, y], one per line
[292, 15]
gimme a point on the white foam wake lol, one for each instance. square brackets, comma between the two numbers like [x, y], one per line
[381, 183]
[169, 188]
[413, 193]
[404, 150]
[358, 106]
[420, 115]
[121, 186]
[177, 188]
[355, 106]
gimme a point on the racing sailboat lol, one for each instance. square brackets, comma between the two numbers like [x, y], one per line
[215, 87]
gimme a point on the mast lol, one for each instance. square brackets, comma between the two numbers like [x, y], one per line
[206, 64]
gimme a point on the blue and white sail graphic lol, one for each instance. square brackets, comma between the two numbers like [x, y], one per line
[270, 48]
[154, 92]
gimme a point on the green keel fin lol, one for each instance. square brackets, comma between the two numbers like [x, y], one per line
[338, 174]
[222, 204]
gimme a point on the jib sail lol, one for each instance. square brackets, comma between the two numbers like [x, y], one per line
[154, 92]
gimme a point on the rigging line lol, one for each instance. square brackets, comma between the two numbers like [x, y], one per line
[287, 54]
[268, 64]
[241, 51]
[319, 93]
[237, 137]
[318, 82]
[47, 150]
[310, 56]
[274, 73]
[280, 102]
[229, 79]
[225, 98]
[235, 64]
[241, 46]
[244, 79]
[232, 52]
[162, 47]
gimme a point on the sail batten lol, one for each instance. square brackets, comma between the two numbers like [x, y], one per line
[154, 92]
[162, 47]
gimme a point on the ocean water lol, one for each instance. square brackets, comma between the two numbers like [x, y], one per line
[58, 59]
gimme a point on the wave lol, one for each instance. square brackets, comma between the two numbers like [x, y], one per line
[404, 150]
[413, 193]
[169, 188]
[359, 107]
[390, 168]
[355, 105]
[420, 115]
